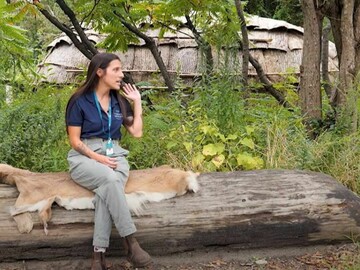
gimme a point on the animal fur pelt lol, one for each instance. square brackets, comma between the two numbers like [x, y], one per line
[38, 191]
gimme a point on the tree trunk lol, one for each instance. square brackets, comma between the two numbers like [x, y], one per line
[332, 10]
[253, 209]
[347, 61]
[310, 94]
[357, 37]
[245, 42]
[325, 60]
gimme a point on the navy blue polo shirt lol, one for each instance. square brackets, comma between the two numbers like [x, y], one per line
[84, 113]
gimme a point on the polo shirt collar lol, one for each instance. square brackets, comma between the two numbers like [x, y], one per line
[90, 97]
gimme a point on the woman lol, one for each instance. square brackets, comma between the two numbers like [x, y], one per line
[94, 116]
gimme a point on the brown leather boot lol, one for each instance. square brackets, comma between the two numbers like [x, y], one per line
[125, 245]
[136, 255]
[98, 261]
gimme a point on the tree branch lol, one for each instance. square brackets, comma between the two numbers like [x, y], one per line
[96, 2]
[202, 44]
[245, 43]
[151, 45]
[68, 11]
[66, 30]
[262, 76]
[175, 30]
[267, 84]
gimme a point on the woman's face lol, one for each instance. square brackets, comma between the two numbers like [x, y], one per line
[113, 75]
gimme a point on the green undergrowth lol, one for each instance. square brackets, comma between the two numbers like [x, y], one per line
[214, 126]
[32, 130]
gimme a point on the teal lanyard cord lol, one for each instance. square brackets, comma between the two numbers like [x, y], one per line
[100, 114]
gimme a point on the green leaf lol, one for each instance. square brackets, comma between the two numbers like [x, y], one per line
[222, 137]
[209, 166]
[248, 162]
[188, 146]
[170, 145]
[199, 138]
[197, 160]
[249, 130]
[248, 142]
[218, 160]
[208, 130]
[213, 148]
[232, 137]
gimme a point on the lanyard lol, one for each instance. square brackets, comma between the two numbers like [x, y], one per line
[100, 114]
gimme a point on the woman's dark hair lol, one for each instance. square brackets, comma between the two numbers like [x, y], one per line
[100, 60]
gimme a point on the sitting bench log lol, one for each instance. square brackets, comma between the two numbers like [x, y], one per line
[245, 209]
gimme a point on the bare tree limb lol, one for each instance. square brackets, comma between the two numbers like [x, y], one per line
[245, 42]
[202, 44]
[96, 2]
[262, 76]
[151, 45]
[267, 84]
[68, 11]
[81, 47]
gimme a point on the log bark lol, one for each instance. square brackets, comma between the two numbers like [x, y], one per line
[264, 208]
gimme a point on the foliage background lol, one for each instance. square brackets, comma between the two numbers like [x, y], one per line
[213, 126]
[208, 128]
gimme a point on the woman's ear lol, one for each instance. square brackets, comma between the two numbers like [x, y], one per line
[100, 72]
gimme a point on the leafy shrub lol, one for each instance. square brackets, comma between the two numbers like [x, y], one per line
[203, 131]
[159, 118]
[32, 131]
[208, 128]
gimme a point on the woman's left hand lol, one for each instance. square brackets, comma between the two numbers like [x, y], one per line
[131, 92]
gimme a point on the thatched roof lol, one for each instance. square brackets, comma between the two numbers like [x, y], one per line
[276, 44]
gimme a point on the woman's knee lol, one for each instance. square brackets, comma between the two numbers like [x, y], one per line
[111, 179]
[123, 169]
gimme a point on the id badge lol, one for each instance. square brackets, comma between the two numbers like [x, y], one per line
[109, 148]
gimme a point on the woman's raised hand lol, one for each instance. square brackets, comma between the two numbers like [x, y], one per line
[131, 92]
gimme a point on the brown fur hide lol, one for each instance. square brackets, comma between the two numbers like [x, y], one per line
[38, 191]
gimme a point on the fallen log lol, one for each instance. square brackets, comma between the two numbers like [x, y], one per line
[263, 208]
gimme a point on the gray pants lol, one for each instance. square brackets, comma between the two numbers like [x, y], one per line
[108, 185]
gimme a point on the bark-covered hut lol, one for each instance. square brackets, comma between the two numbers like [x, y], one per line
[276, 44]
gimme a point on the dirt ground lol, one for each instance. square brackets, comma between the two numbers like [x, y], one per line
[337, 257]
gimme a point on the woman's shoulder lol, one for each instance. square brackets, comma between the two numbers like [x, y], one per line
[85, 98]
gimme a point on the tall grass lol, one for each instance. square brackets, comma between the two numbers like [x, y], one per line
[338, 155]
[181, 129]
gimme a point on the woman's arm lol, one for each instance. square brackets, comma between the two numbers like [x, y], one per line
[131, 92]
[78, 145]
